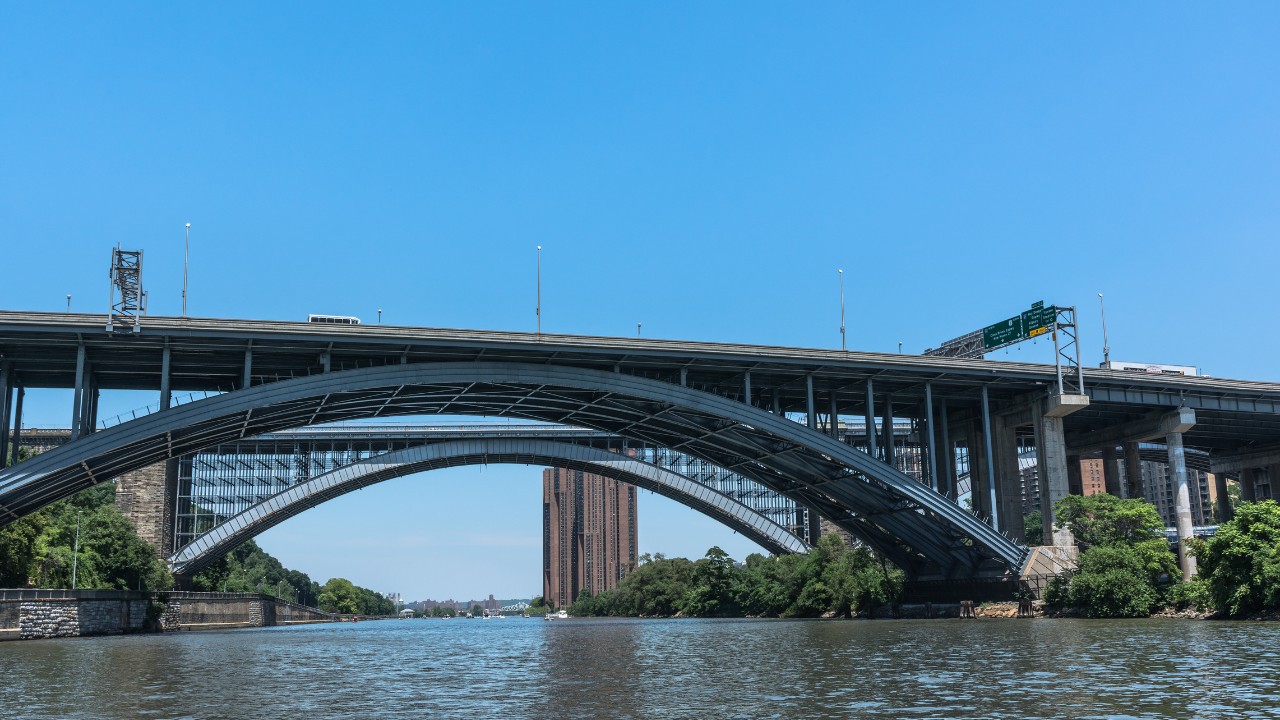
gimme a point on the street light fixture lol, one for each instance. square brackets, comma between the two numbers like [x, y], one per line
[1106, 346]
[843, 347]
[186, 256]
[538, 309]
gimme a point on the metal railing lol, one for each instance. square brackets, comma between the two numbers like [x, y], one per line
[136, 413]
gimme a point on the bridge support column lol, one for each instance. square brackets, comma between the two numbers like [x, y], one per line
[77, 397]
[1223, 500]
[1182, 502]
[886, 431]
[143, 496]
[91, 405]
[974, 444]
[1248, 485]
[871, 421]
[815, 526]
[1133, 470]
[811, 413]
[948, 485]
[835, 417]
[1008, 479]
[1051, 454]
[6, 383]
[166, 393]
[988, 461]
[1111, 471]
[17, 427]
[1075, 475]
[929, 438]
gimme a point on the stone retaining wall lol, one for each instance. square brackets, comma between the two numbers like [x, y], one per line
[37, 614]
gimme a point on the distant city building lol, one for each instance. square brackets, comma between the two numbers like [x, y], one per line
[588, 534]
[1092, 480]
[1158, 487]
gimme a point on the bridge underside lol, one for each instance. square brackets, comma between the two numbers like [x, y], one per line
[278, 508]
[921, 531]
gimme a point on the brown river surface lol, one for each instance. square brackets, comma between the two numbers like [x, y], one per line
[600, 668]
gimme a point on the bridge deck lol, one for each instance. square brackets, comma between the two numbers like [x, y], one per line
[210, 355]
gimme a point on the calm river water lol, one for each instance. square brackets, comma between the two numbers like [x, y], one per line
[528, 668]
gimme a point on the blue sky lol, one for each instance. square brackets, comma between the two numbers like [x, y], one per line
[702, 169]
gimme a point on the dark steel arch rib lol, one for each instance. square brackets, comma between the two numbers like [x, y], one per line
[919, 529]
[454, 453]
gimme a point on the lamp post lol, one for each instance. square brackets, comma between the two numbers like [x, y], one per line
[186, 255]
[379, 316]
[538, 309]
[843, 347]
[68, 302]
[637, 329]
[75, 554]
[1106, 347]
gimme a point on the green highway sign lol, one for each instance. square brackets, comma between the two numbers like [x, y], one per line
[1002, 333]
[1038, 319]
[1031, 323]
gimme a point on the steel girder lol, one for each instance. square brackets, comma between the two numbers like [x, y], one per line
[295, 499]
[917, 528]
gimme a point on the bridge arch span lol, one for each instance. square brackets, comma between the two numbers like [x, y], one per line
[917, 528]
[327, 486]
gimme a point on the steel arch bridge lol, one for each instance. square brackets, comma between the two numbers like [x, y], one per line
[216, 485]
[917, 528]
[226, 535]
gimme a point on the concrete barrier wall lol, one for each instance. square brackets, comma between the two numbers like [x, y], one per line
[36, 614]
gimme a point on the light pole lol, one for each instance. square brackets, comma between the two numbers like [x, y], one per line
[75, 554]
[899, 347]
[1106, 347]
[68, 302]
[186, 255]
[538, 309]
[843, 347]
[637, 329]
[379, 316]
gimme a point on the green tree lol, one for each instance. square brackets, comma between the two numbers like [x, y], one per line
[110, 555]
[1112, 582]
[18, 550]
[713, 592]
[770, 584]
[339, 595]
[1033, 527]
[1240, 564]
[1107, 520]
[1125, 561]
